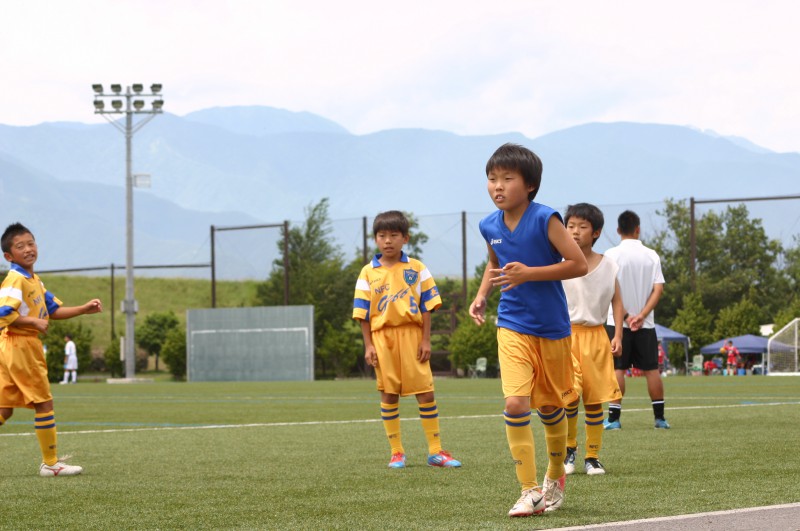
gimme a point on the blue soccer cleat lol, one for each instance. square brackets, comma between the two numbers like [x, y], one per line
[662, 424]
[613, 425]
[443, 459]
[398, 461]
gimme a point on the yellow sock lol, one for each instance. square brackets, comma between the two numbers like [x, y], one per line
[45, 424]
[572, 426]
[2, 420]
[390, 413]
[594, 433]
[429, 416]
[523, 450]
[555, 436]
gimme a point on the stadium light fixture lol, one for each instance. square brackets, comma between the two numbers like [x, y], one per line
[155, 88]
[124, 103]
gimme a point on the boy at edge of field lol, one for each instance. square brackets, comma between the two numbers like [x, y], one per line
[394, 298]
[530, 253]
[588, 299]
[25, 309]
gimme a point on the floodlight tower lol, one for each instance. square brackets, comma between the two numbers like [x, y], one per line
[131, 102]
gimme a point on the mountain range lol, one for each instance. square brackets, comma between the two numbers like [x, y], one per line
[232, 166]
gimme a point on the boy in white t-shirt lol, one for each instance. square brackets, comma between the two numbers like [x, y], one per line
[588, 300]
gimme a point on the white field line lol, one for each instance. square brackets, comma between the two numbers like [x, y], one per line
[638, 524]
[354, 421]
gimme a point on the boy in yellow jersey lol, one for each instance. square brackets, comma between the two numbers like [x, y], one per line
[394, 298]
[25, 308]
[530, 253]
[588, 299]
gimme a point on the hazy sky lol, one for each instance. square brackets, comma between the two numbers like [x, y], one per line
[467, 67]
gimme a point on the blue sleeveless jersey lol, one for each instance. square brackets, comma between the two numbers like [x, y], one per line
[533, 308]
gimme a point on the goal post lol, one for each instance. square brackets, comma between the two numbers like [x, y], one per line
[782, 351]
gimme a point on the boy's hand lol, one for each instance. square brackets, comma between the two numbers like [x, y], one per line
[40, 324]
[371, 356]
[635, 322]
[510, 276]
[616, 347]
[93, 306]
[424, 351]
[477, 310]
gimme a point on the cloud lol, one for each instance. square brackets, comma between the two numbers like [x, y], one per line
[511, 65]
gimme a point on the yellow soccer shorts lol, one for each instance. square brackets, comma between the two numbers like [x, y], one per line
[537, 367]
[399, 372]
[593, 365]
[23, 372]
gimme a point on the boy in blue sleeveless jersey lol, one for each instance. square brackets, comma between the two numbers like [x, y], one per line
[25, 309]
[394, 298]
[530, 253]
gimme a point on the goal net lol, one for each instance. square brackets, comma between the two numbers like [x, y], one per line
[782, 351]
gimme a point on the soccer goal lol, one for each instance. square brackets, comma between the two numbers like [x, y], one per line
[782, 351]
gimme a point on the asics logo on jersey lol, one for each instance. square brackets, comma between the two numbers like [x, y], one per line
[496, 241]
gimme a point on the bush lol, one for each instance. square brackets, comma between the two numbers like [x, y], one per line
[342, 347]
[114, 365]
[54, 343]
[173, 353]
[470, 342]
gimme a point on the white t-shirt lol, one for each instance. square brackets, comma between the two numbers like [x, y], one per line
[639, 271]
[72, 356]
[588, 296]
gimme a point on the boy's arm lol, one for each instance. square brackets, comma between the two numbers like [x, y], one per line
[477, 310]
[573, 264]
[26, 321]
[619, 312]
[424, 349]
[68, 312]
[636, 321]
[370, 354]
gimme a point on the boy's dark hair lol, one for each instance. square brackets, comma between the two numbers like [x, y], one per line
[627, 222]
[518, 158]
[67, 336]
[393, 220]
[586, 211]
[11, 232]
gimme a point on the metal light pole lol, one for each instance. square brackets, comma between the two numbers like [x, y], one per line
[134, 101]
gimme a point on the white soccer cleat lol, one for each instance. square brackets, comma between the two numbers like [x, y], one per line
[553, 491]
[531, 502]
[59, 469]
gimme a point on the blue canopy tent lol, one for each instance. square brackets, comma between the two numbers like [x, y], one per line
[665, 335]
[747, 344]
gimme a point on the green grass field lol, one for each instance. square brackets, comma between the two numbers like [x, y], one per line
[313, 455]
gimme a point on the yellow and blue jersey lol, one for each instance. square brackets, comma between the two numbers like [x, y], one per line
[23, 294]
[396, 295]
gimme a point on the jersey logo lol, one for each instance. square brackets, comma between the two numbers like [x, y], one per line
[410, 276]
[496, 241]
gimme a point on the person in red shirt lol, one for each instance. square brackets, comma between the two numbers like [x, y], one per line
[733, 357]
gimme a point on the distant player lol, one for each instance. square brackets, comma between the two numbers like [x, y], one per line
[70, 360]
[642, 283]
[588, 299]
[25, 309]
[530, 253]
[394, 298]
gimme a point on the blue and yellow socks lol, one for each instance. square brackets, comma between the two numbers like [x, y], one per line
[594, 433]
[520, 442]
[555, 436]
[572, 425]
[429, 417]
[390, 414]
[45, 424]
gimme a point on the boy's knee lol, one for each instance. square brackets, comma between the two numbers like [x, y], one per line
[517, 405]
